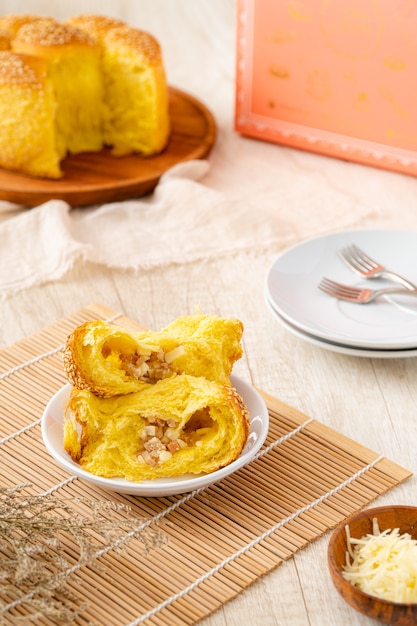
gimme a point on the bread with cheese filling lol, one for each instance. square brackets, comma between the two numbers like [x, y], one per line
[109, 360]
[180, 425]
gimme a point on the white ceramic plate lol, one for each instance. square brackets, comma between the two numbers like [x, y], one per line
[338, 347]
[52, 433]
[388, 323]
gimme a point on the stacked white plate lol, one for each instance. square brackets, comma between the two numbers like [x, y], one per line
[385, 328]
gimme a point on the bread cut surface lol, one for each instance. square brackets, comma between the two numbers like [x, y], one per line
[212, 345]
[135, 115]
[181, 425]
[73, 63]
[109, 360]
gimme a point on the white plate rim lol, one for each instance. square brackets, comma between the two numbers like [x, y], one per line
[376, 353]
[304, 321]
[51, 428]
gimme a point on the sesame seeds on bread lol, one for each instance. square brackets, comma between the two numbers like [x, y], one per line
[13, 23]
[109, 360]
[154, 404]
[93, 99]
[27, 114]
[74, 68]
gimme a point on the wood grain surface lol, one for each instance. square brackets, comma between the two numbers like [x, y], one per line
[97, 177]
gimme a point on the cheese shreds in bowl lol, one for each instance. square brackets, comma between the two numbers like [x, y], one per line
[383, 564]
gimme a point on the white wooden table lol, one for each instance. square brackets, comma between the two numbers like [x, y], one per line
[373, 401]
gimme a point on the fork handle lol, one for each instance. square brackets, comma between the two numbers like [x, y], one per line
[399, 279]
[385, 291]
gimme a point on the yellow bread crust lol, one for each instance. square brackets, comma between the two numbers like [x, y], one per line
[132, 41]
[74, 66]
[4, 40]
[95, 25]
[22, 69]
[27, 112]
[13, 23]
[143, 123]
[211, 418]
[101, 357]
[48, 39]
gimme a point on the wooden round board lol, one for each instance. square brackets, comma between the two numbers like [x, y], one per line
[100, 177]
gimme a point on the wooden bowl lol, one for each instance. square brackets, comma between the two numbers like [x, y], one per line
[360, 524]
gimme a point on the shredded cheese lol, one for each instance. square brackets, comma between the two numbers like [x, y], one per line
[383, 564]
[174, 354]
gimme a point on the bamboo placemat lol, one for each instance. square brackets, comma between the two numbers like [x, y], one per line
[306, 479]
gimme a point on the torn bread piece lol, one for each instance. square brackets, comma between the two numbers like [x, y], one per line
[110, 360]
[181, 425]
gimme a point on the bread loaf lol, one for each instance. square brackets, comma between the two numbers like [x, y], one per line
[105, 84]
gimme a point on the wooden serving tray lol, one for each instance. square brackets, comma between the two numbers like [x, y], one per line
[99, 177]
[305, 480]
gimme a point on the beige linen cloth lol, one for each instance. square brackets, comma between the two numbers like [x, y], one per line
[182, 221]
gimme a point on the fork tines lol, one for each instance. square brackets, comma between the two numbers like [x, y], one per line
[331, 287]
[354, 255]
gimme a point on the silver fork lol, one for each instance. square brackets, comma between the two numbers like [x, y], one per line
[363, 265]
[357, 294]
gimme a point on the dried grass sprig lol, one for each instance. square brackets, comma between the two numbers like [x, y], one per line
[44, 540]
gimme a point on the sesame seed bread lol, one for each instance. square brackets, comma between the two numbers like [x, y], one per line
[95, 25]
[27, 113]
[109, 360]
[142, 124]
[13, 23]
[108, 90]
[180, 425]
[74, 66]
[135, 114]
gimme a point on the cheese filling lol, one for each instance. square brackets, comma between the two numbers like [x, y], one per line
[160, 438]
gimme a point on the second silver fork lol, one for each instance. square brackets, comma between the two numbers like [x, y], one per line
[360, 295]
[362, 264]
